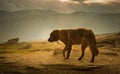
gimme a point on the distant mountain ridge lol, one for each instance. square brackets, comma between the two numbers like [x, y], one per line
[28, 12]
[49, 12]
[39, 23]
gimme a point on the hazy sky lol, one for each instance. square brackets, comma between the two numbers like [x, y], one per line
[66, 6]
[19, 26]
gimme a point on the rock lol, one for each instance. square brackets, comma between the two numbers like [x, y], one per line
[12, 41]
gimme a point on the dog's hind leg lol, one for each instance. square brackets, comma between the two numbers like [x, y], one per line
[83, 46]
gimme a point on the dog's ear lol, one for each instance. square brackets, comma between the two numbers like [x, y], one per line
[63, 35]
[56, 33]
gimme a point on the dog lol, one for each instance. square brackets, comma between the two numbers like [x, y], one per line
[70, 37]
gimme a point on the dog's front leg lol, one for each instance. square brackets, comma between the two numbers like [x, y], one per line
[64, 50]
[68, 49]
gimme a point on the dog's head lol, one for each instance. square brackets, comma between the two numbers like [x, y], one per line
[54, 36]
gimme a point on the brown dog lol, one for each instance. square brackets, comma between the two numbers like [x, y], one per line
[75, 36]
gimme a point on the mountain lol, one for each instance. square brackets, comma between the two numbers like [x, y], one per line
[37, 24]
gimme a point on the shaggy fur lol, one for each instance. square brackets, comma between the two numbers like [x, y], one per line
[69, 37]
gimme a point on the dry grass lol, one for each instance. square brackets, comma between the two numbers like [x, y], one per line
[46, 58]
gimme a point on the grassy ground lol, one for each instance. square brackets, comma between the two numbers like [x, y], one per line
[46, 58]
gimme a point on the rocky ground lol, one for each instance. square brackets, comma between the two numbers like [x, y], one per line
[46, 58]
